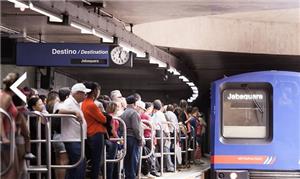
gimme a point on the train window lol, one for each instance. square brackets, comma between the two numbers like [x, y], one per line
[246, 111]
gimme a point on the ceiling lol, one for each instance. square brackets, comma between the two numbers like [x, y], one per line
[205, 66]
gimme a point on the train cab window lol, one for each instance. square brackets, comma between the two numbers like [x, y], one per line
[246, 110]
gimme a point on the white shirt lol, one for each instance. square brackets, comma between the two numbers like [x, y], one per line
[171, 117]
[70, 128]
[159, 119]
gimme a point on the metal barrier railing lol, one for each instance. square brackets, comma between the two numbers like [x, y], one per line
[185, 138]
[148, 123]
[12, 142]
[55, 116]
[39, 168]
[162, 153]
[122, 139]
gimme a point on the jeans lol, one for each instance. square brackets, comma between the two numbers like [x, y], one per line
[112, 148]
[131, 158]
[96, 145]
[74, 150]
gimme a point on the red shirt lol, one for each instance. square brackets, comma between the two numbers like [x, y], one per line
[94, 118]
[147, 132]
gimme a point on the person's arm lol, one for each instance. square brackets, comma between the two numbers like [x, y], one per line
[136, 126]
[66, 111]
[93, 111]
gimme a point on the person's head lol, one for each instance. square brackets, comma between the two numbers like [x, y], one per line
[112, 107]
[35, 104]
[170, 107]
[115, 95]
[79, 91]
[141, 107]
[149, 107]
[137, 96]
[195, 111]
[157, 105]
[9, 79]
[43, 98]
[94, 87]
[63, 93]
[131, 101]
[183, 104]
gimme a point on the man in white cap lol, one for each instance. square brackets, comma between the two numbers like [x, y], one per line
[70, 129]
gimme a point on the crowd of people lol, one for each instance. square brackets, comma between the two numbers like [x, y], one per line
[99, 115]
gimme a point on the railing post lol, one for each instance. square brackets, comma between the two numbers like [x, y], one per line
[12, 142]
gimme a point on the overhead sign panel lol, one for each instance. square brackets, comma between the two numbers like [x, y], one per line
[63, 54]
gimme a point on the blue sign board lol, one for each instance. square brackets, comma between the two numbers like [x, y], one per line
[63, 54]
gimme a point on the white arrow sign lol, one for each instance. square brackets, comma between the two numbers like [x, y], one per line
[14, 86]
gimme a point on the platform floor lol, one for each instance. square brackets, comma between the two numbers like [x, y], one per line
[195, 171]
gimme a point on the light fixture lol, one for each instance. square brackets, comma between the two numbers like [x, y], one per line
[127, 47]
[183, 78]
[160, 64]
[8, 30]
[104, 37]
[83, 29]
[52, 17]
[20, 5]
[173, 70]
[190, 84]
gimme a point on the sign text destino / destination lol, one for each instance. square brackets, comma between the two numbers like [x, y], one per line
[55, 51]
[237, 96]
[63, 54]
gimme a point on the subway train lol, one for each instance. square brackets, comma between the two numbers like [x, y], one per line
[255, 126]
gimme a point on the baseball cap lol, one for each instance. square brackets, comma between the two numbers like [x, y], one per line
[141, 104]
[80, 87]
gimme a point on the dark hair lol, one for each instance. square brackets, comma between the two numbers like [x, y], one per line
[183, 104]
[92, 86]
[42, 97]
[157, 104]
[189, 109]
[63, 93]
[148, 105]
[194, 110]
[131, 99]
[137, 96]
[32, 102]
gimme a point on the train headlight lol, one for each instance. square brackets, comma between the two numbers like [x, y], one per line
[233, 175]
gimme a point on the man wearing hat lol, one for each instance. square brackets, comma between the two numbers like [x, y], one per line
[134, 137]
[70, 129]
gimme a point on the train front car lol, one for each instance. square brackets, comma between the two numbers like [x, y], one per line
[255, 126]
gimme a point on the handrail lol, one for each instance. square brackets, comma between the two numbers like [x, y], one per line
[151, 148]
[174, 138]
[151, 139]
[50, 117]
[42, 119]
[124, 150]
[12, 142]
[185, 142]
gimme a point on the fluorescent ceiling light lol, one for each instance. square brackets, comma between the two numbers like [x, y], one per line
[183, 78]
[105, 38]
[8, 30]
[194, 88]
[190, 84]
[52, 17]
[83, 29]
[161, 64]
[20, 5]
[173, 70]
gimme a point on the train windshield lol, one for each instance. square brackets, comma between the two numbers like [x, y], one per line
[245, 112]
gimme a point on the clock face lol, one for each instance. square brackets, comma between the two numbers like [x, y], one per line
[119, 56]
